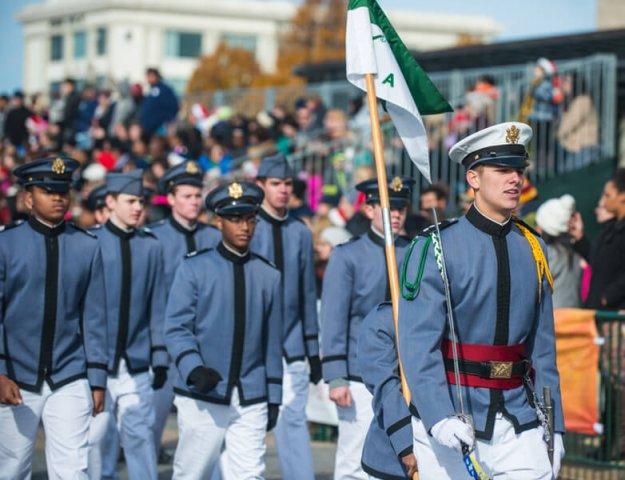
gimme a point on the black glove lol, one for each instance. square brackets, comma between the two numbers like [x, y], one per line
[203, 379]
[315, 369]
[160, 377]
[272, 416]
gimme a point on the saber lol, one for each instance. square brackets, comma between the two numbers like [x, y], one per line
[450, 317]
[549, 421]
[469, 458]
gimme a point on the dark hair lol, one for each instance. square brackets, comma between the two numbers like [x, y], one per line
[299, 188]
[487, 79]
[619, 179]
[153, 71]
[439, 190]
[71, 81]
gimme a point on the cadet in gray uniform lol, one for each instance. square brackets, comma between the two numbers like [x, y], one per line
[53, 345]
[387, 452]
[180, 234]
[501, 295]
[135, 304]
[224, 332]
[96, 202]
[355, 281]
[287, 242]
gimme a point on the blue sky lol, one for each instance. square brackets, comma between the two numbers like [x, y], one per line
[518, 18]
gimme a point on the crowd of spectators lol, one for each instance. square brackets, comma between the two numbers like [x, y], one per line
[147, 127]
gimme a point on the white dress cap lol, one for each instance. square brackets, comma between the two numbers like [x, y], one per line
[502, 144]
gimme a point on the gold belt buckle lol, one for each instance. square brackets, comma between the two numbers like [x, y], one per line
[501, 370]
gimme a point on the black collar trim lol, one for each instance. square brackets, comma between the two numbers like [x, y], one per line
[232, 257]
[115, 230]
[486, 225]
[44, 229]
[375, 238]
[178, 226]
[270, 218]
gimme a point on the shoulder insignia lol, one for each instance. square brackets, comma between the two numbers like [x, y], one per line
[4, 228]
[197, 252]
[156, 224]
[266, 260]
[146, 232]
[85, 231]
[441, 225]
[518, 222]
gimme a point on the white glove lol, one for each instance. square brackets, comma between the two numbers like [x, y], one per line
[558, 453]
[450, 432]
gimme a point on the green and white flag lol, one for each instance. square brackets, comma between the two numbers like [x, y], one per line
[373, 46]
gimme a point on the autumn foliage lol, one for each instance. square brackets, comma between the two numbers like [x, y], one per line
[225, 68]
[315, 34]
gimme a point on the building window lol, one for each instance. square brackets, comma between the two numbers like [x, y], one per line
[183, 44]
[80, 44]
[56, 47]
[235, 40]
[100, 45]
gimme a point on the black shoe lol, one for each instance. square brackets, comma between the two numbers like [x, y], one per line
[164, 457]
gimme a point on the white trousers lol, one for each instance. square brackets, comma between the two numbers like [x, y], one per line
[163, 400]
[507, 456]
[204, 427]
[103, 447]
[354, 423]
[65, 414]
[291, 432]
[129, 402]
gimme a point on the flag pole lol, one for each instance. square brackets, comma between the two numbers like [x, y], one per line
[389, 245]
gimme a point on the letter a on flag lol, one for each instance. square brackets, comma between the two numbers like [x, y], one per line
[374, 47]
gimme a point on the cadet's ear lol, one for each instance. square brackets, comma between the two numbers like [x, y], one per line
[171, 198]
[473, 179]
[110, 200]
[219, 222]
[368, 211]
[28, 198]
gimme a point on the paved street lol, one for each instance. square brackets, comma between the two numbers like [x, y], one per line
[323, 457]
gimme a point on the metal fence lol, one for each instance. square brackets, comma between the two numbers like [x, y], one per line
[582, 130]
[602, 456]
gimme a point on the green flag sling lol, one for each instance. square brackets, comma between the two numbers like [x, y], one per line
[373, 46]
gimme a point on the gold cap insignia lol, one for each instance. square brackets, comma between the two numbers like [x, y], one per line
[512, 134]
[58, 166]
[235, 190]
[192, 168]
[397, 184]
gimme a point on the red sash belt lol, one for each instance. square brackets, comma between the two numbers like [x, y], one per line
[501, 367]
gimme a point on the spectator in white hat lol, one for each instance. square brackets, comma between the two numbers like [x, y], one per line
[552, 219]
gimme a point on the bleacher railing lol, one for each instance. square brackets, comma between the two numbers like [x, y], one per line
[573, 138]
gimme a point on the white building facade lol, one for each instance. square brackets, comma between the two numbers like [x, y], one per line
[107, 41]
